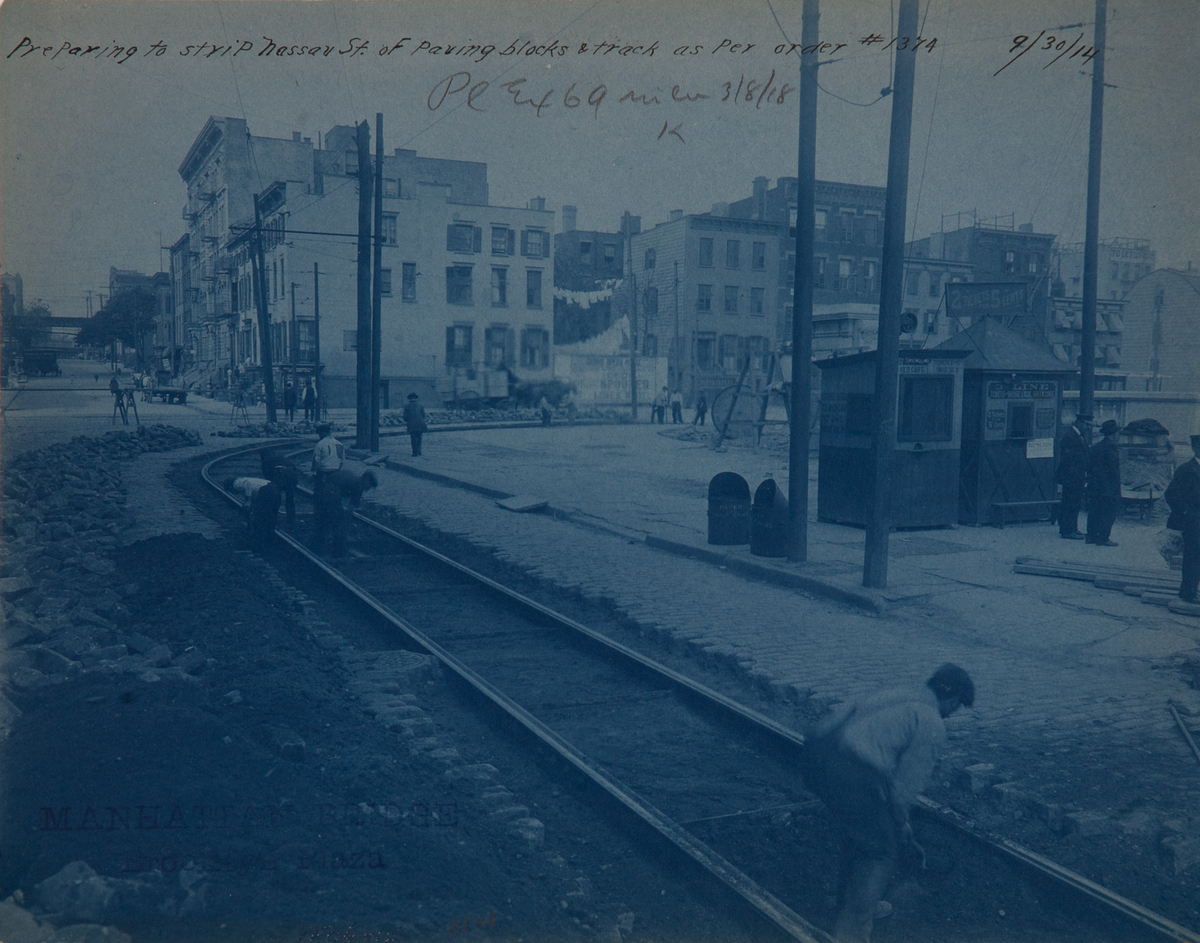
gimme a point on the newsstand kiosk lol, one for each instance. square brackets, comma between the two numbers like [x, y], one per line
[1012, 397]
[923, 463]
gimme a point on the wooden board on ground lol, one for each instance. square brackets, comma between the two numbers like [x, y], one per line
[523, 503]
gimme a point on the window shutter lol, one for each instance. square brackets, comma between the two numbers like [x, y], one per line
[512, 242]
[478, 244]
[545, 245]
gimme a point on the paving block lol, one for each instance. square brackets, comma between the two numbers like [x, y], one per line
[1087, 824]
[977, 778]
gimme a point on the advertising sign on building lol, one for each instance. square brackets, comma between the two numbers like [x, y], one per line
[603, 380]
[973, 300]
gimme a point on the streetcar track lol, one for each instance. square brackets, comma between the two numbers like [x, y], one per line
[652, 783]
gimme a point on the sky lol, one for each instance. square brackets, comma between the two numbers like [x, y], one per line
[90, 143]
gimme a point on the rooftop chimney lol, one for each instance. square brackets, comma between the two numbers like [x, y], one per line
[295, 135]
[676, 214]
[538, 203]
[569, 217]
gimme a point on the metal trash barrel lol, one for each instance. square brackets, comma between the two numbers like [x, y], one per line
[728, 509]
[769, 521]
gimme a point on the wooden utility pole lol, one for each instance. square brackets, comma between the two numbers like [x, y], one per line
[887, 356]
[377, 291]
[675, 349]
[317, 340]
[362, 436]
[802, 292]
[264, 315]
[1091, 243]
[293, 346]
[627, 228]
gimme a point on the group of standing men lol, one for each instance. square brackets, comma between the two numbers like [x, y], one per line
[660, 406]
[1094, 471]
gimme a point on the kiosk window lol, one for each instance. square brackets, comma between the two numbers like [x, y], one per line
[1020, 421]
[926, 409]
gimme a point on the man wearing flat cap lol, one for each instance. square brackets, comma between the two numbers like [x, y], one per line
[1072, 475]
[1104, 485]
[1183, 498]
[868, 761]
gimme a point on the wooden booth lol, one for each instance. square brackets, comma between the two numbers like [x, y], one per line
[1012, 396]
[924, 451]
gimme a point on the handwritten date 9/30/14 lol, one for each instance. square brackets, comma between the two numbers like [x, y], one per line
[458, 89]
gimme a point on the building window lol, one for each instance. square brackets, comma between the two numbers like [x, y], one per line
[914, 281]
[729, 352]
[733, 253]
[731, 299]
[458, 285]
[533, 288]
[349, 340]
[458, 345]
[650, 302]
[756, 301]
[871, 229]
[503, 240]
[758, 256]
[935, 284]
[389, 229]
[706, 253]
[610, 253]
[926, 409]
[391, 188]
[931, 320]
[651, 258]
[845, 269]
[306, 337]
[535, 348]
[585, 251]
[535, 243]
[649, 346]
[1010, 262]
[499, 287]
[495, 341]
[847, 227]
[819, 225]
[706, 351]
[408, 288]
[1035, 263]
[870, 274]
[704, 297]
[818, 272]
[385, 282]
[756, 351]
[463, 237]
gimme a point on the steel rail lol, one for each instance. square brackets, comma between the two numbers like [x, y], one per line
[760, 899]
[937, 812]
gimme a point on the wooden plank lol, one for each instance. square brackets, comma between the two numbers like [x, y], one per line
[1059, 572]
[522, 503]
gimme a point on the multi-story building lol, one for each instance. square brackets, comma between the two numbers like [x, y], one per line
[160, 344]
[1000, 253]
[211, 264]
[466, 288]
[706, 297]
[1121, 263]
[588, 265]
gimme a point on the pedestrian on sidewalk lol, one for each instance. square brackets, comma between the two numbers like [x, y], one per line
[1183, 498]
[289, 402]
[701, 409]
[414, 419]
[868, 762]
[334, 507]
[659, 413]
[1071, 473]
[546, 411]
[676, 408]
[328, 455]
[309, 401]
[1104, 485]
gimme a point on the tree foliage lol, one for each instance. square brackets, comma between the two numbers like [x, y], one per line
[127, 317]
[31, 328]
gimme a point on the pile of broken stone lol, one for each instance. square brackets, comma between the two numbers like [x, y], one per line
[64, 615]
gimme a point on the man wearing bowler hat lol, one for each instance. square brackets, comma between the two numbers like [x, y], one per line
[1104, 485]
[1072, 475]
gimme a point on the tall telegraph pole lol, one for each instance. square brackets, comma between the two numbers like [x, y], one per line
[1091, 244]
[887, 356]
[802, 292]
[264, 314]
[377, 292]
[362, 437]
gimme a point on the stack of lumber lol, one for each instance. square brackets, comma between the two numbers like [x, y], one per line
[1156, 587]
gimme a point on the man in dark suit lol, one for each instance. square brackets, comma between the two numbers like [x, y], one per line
[1104, 485]
[1183, 497]
[1072, 475]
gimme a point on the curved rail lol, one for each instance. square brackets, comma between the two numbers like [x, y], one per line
[760, 899]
